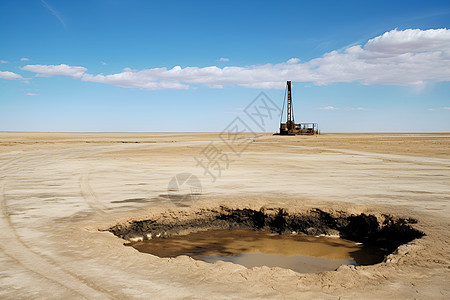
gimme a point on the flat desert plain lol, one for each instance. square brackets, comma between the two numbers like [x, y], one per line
[58, 191]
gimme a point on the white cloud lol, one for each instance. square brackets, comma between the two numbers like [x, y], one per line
[103, 63]
[410, 41]
[265, 76]
[53, 12]
[9, 75]
[236, 111]
[345, 108]
[30, 94]
[329, 108]
[411, 57]
[439, 108]
[293, 60]
[224, 59]
[51, 70]
[3, 62]
[146, 79]
[24, 59]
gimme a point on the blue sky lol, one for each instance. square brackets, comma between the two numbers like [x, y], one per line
[109, 65]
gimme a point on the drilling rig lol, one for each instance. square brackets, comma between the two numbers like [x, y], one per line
[290, 127]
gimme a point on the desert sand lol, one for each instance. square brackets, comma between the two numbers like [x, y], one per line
[59, 190]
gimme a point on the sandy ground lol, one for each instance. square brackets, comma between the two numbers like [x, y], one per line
[57, 190]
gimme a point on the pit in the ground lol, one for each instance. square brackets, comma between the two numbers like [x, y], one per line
[250, 248]
[227, 233]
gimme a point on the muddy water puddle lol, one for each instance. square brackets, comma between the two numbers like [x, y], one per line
[303, 254]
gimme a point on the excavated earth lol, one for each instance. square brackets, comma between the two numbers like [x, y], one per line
[69, 203]
[385, 232]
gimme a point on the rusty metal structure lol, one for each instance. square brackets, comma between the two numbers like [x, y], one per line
[290, 127]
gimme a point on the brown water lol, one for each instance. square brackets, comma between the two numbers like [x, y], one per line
[303, 254]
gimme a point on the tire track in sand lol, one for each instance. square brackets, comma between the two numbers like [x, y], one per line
[16, 249]
[89, 195]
